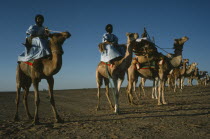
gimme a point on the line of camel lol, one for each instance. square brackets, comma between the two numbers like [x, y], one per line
[166, 68]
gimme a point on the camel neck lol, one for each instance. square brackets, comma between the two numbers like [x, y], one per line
[56, 61]
[184, 68]
[126, 60]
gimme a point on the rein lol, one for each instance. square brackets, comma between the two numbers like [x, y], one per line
[163, 48]
[53, 31]
[57, 52]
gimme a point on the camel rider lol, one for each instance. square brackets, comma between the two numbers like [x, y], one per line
[112, 51]
[36, 42]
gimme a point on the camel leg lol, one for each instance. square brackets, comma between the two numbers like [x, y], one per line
[50, 81]
[154, 89]
[120, 81]
[162, 93]
[130, 89]
[17, 101]
[169, 85]
[181, 83]
[99, 96]
[107, 93]
[18, 89]
[141, 87]
[142, 84]
[159, 93]
[175, 84]
[116, 96]
[99, 84]
[134, 90]
[25, 102]
[37, 101]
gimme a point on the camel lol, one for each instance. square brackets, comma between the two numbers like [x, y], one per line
[206, 80]
[201, 77]
[47, 67]
[194, 75]
[162, 68]
[116, 73]
[189, 72]
[178, 73]
[142, 84]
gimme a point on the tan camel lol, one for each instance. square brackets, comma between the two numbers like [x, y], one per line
[194, 75]
[205, 80]
[142, 84]
[190, 71]
[162, 69]
[116, 72]
[178, 73]
[201, 77]
[25, 75]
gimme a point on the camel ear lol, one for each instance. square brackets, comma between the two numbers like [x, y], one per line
[136, 36]
[127, 34]
[50, 35]
[67, 35]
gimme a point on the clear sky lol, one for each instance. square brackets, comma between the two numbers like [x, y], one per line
[86, 20]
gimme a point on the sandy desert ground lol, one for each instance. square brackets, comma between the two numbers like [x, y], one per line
[187, 115]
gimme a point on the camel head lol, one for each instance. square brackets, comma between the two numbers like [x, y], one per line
[185, 60]
[193, 65]
[181, 41]
[178, 43]
[131, 37]
[57, 40]
[203, 72]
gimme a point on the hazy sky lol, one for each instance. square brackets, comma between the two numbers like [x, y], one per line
[86, 20]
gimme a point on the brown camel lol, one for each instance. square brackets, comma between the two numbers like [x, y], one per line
[47, 67]
[201, 77]
[116, 73]
[178, 73]
[189, 72]
[162, 68]
[142, 84]
[194, 75]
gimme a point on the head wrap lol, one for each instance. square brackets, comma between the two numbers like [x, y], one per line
[109, 28]
[39, 16]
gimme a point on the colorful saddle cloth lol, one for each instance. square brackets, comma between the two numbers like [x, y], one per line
[30, 62]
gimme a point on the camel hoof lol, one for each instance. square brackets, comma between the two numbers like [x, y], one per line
[97, 108]
[59, 120]
[164, 103]
[16, 118]
[36, 122]
[134, 103]
[117, 112]
[30, 117]
[112, 107]
[159, 104]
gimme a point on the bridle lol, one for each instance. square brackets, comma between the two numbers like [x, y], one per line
[59, 52]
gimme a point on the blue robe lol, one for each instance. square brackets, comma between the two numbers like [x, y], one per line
[39, 47]
[111, 52]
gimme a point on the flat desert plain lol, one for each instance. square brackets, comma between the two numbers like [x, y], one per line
[187, 115]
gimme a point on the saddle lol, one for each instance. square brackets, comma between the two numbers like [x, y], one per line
[36, 64]
[146, 65]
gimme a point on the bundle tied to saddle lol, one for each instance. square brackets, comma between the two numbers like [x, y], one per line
[144, 46]
[110, 51]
